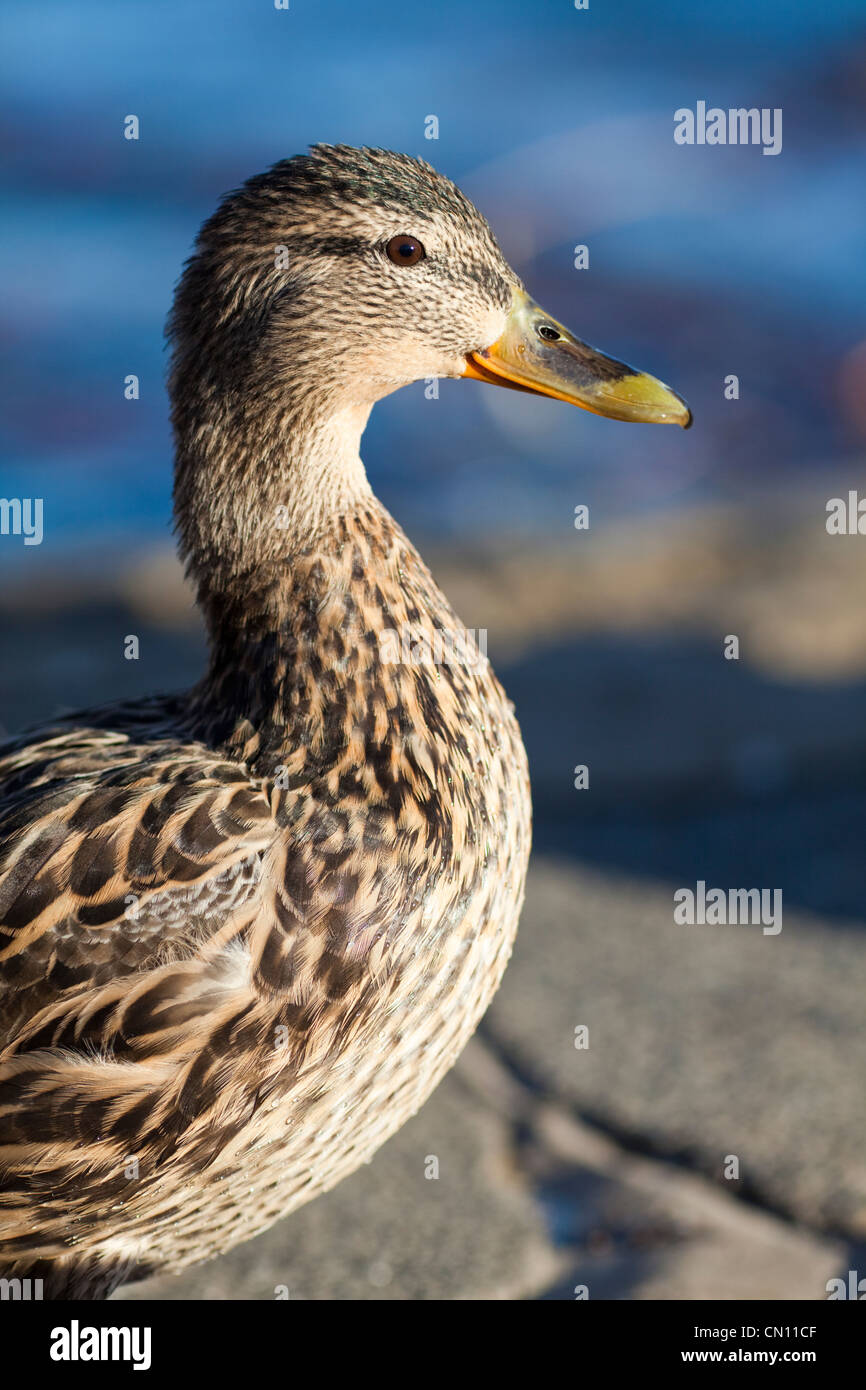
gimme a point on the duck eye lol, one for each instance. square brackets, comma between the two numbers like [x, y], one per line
[405, 250]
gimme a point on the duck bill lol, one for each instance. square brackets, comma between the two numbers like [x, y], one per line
[535, 353]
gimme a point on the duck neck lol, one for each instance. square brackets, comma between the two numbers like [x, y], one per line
[297, 657]
[296, 564]
[254, 488]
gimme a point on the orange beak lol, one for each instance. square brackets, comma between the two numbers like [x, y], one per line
[537, 354]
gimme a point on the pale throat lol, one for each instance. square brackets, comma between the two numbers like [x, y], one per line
[253, 491]
[320, 474]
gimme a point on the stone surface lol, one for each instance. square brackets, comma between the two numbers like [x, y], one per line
[629, 1226]
[704, 1041]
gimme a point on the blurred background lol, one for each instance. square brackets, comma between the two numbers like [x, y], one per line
[560, 1168]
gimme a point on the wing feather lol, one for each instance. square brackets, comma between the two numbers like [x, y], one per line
[110, 849]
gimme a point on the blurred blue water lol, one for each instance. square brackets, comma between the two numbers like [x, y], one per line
[704, 261]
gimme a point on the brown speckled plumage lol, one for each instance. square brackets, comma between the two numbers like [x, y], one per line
[245, 931]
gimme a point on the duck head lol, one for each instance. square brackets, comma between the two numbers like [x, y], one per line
[317, 288]
[349, 273]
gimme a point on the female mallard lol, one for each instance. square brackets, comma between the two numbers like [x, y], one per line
[244, 931]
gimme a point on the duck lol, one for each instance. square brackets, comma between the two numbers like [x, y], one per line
[246, 929]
